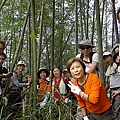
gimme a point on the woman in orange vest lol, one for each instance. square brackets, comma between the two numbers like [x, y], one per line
[44, 88]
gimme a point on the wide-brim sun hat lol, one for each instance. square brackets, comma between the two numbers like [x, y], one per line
[113, 49]
[43, 69]
[115, 56]
[85, 43]
[21, 63]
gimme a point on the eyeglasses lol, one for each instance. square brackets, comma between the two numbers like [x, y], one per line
[83, 48]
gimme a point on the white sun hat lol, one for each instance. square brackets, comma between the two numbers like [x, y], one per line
[21, 63]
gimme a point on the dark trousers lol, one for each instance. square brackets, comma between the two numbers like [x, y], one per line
[14, 104]
[116, 107]
[107, 115]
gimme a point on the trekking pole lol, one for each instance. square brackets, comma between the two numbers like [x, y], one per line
[119, 59]
[23, 104]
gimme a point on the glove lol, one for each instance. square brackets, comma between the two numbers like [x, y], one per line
[85, 118]
[42, 104]
[67, 100]
[46, 97]
[74, 89]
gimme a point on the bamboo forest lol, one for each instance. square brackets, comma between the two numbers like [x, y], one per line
[44, 34]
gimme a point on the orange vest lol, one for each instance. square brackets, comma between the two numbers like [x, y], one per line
[43, 89]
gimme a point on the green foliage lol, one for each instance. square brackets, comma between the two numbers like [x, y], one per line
[32, 36]
[55, 111]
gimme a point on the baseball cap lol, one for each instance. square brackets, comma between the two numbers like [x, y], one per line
[106, 54]
[21, 63]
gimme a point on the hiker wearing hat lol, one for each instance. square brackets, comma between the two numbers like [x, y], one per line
[3, 72]
[107, 56]
[3, 75]
[90, 58]
[16, 85]
[44, 88]
[115, 49]
[66, 74]
[113, 75]
[3, 55]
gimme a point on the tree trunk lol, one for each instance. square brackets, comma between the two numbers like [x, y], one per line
[100, 49]
[115, 21]
[34, 53]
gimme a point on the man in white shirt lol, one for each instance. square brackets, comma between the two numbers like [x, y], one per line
[91, 59]
[114, 78]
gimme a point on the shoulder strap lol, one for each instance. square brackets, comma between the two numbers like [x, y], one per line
[91, 54]
[17, 76]
[81, 56]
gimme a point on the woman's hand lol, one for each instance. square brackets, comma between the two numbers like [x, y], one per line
[85, 118]
[74, 89]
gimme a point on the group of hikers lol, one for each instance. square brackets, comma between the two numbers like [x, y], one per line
[79, 81]
[15, 87]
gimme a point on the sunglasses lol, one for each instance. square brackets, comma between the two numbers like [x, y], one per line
[83, 48]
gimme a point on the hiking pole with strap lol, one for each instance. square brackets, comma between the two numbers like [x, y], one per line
[119, 59]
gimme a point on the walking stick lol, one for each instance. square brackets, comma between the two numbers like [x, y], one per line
[119, 59]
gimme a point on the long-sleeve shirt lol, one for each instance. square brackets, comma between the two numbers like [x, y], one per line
[44, 87]
[98, 102]
[17, 81]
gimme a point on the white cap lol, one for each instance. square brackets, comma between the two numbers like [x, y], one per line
[106, 53]
[21, 63]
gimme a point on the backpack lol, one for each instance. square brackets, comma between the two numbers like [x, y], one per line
[90, 58]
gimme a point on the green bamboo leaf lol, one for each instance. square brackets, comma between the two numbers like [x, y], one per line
[33, 36]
